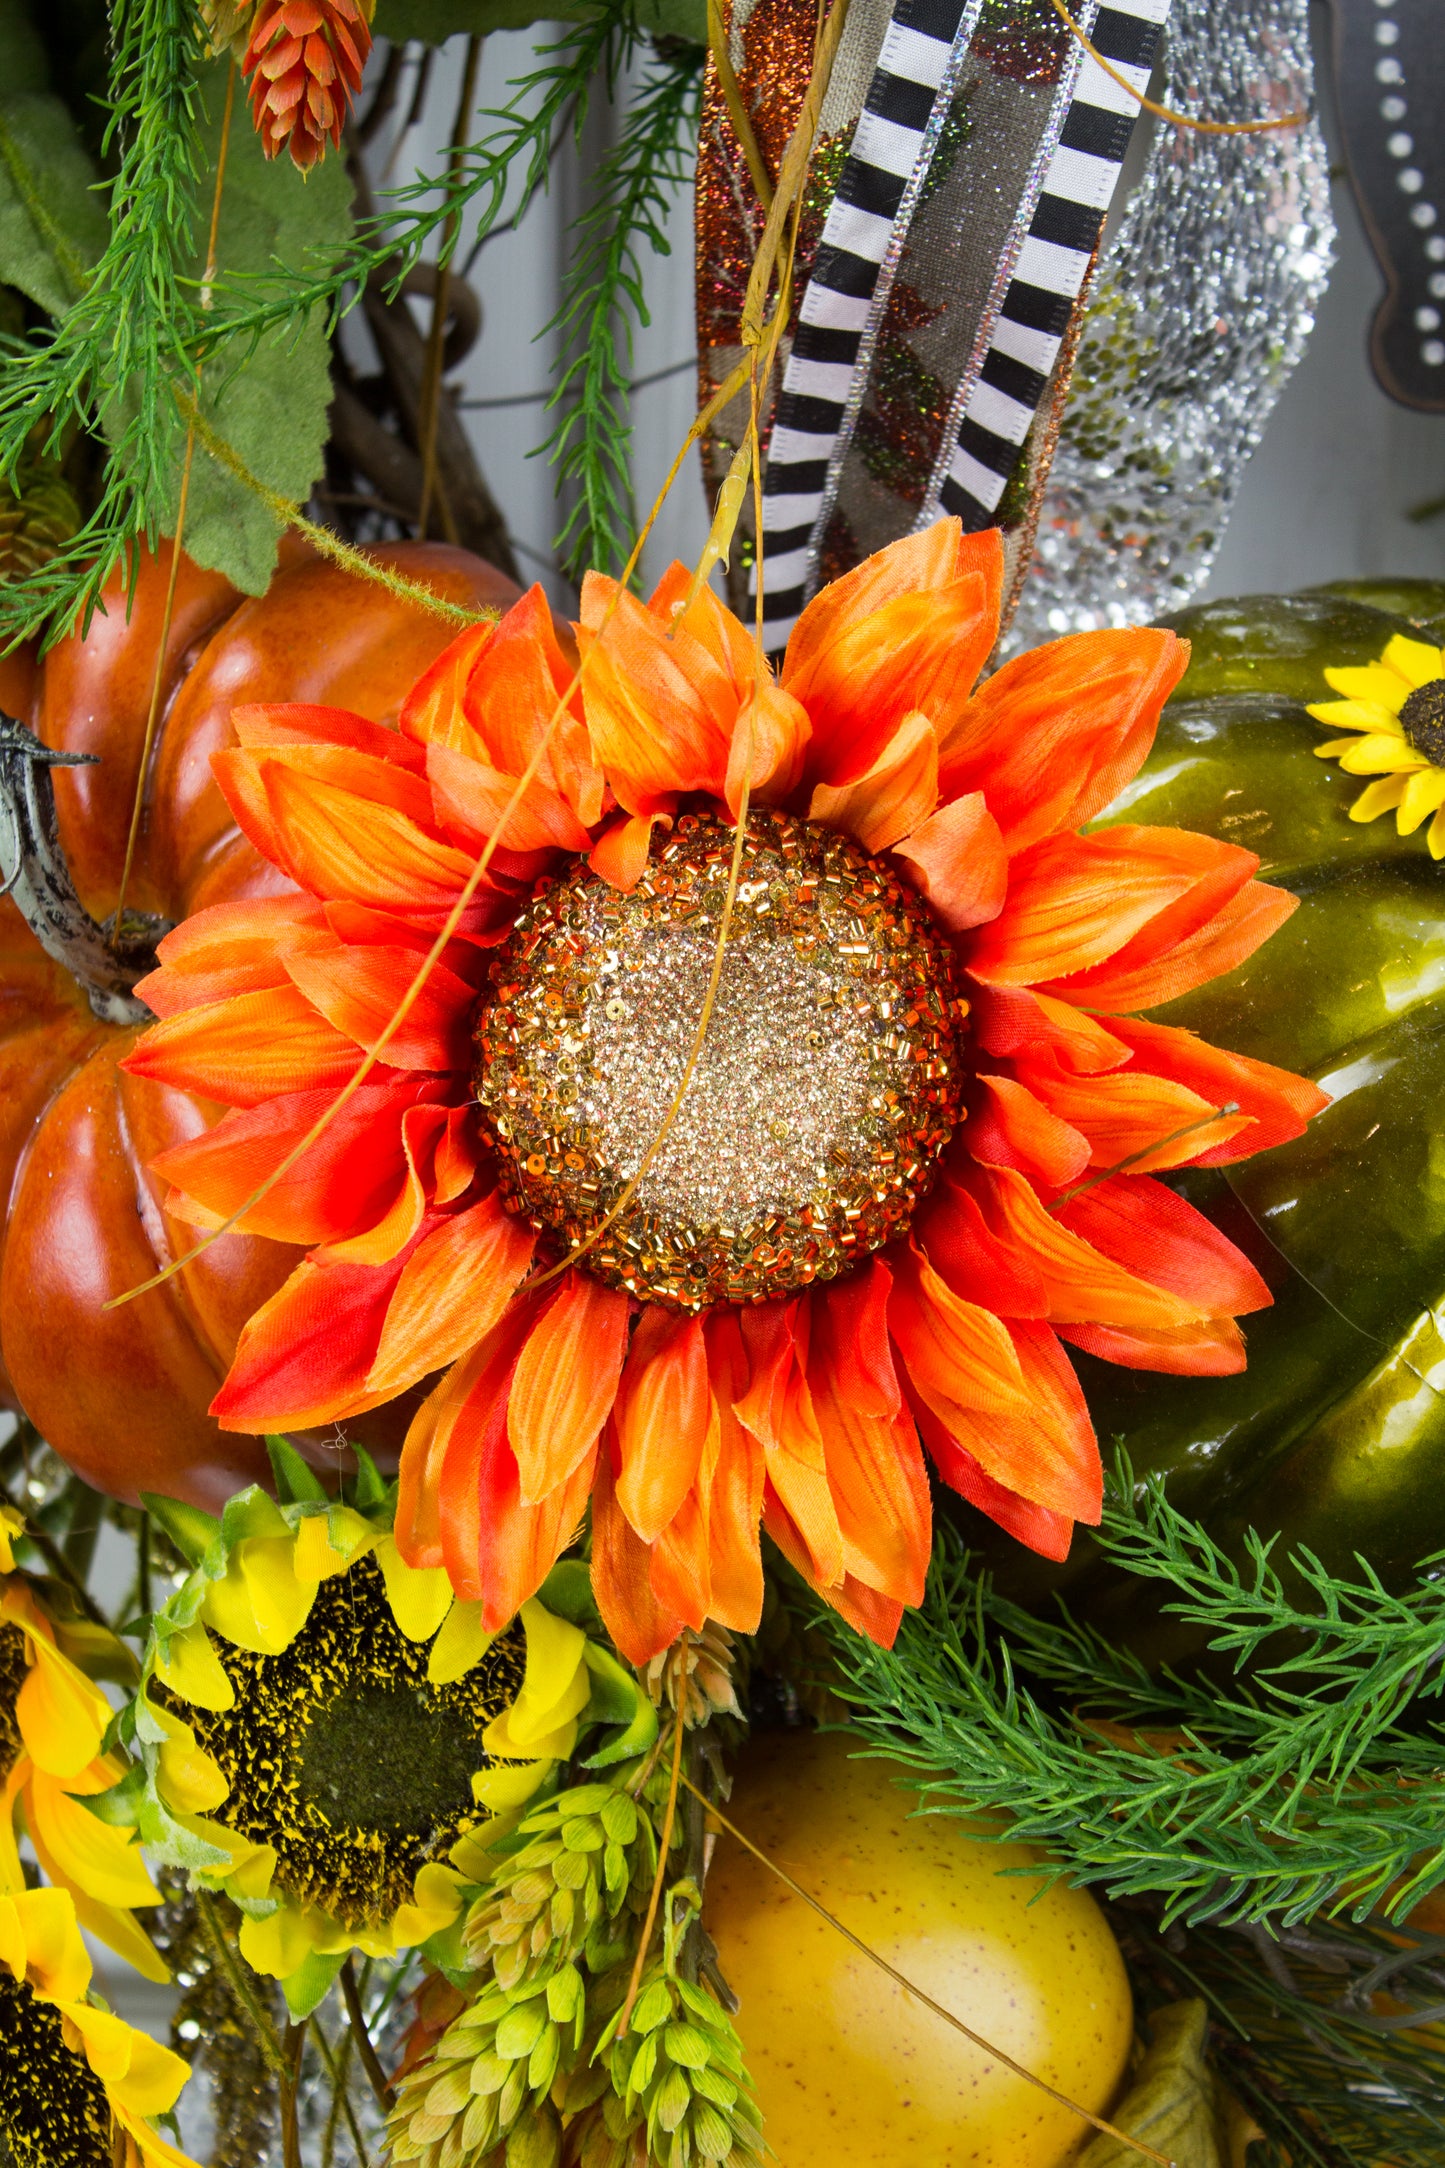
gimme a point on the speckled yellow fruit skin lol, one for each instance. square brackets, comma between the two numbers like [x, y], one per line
[853, 2073]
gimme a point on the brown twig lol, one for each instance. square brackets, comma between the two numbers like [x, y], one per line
[431, 383]
[340, 2097]
[290, 2091]
[234, 1967]
[380, 2084]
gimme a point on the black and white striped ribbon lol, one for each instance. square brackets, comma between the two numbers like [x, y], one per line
[1053, 242]
[998, 407]
[888, 155]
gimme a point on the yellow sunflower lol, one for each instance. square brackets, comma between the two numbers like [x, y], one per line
[52, 1722]
[77, 2085]
[329, 1734]
[1395, 709]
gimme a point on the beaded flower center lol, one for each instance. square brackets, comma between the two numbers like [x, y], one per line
[828, 1083]
[1422, 718]
[53, 2108]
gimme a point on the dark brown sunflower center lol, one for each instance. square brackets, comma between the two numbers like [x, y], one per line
[342, 1755]
[826, 1087]
[13, 1667]
[53, 2109]
[1422, 718]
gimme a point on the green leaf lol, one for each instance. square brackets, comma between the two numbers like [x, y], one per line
[1175, 2103]
[567, 1590]
[311, 1982]
[251, 1513]
[52, 221]
[268, 399]
[190, 1530]
[120, 1807]
[295, 1482]
[367, 1491]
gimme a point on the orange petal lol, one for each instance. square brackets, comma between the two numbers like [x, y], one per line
[1053, 736]
[778, 1409]
[361, 992]
[659, 709]
[343, 1181]
[916, 564]
[621, 1572]
[1075, 900]
[304, 1357]
[1008, 1127]
[438, 1510]
[1082, 1286]
[298, 722]
[664, 1406]
[1245, 922]
[680, 1570]
[432, 709]
[339, 844]
[1146, 1121]
[1019, 1020]
[247, 1050]
[511, 702]
[566, 1382]
[1050, 1534]
[962, 1248]
[710, 622]
[376, 1245]
[770, 738]
[735, 1500]
[456, 1284]
[956, 858]
[893, 798]
[232, 948]
[863, 1608]
[870, 1443]
[1214, 1349]
[470, 801]
[993, 1388]
[619, 855]
[1157, 1234]
[519, 1543]
[1278, 1103]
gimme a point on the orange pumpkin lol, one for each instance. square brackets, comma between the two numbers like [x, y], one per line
[122, 1394]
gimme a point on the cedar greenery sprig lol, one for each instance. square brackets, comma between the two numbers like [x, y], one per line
[634, 188]
[1309, 1781]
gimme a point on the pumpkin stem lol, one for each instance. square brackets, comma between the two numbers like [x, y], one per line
[35, 876]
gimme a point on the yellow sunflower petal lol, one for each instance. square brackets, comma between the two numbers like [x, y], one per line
[252, 1873]
[498, 1789]
[1380, 755]
[462, 1642]
[1381, 797]
[190, 1780]
[1436, 836]
[276, 1946]
[11, 1876]
[1333, 747]
[56, 1961]
[147, 2148]
[262, 1603]
[327, 1543]
[79, 1848]
[60, 1714]
[1414, 660]
[1374, 682]
[420, 1596]
[12, 1527]
[190, 1667]
[136, 2071]
[1357, 715]
[1424, 794]
[436, 1901]
[557, 1683]
[121, 1932]
[500, 1739]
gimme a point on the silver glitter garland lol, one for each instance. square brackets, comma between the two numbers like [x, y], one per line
[1202, 308]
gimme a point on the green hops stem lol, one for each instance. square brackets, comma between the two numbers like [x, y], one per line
[564, 1893]
[677, 2076]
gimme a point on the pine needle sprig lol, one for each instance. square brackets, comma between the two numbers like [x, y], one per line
[635, 188]
[1310, 1778]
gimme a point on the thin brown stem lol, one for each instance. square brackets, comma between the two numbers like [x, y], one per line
[61, 1567]
[380, 2084]
[436, 335]
[290, 2094]
[664, 1847]
[1167, 112]
[1110, 2130]
[340, 2097]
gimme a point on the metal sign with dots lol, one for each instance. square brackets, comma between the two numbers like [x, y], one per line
[1390, 69]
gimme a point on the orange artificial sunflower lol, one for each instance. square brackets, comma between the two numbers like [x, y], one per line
[917, 1154]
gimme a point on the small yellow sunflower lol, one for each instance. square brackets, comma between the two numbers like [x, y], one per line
[326, 1733]
[53, 1720]
[77, 2085]
[1395, 709]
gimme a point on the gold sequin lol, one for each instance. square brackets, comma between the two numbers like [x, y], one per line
[828, 1084]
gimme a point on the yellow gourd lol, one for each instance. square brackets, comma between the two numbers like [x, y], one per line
[851, 2072]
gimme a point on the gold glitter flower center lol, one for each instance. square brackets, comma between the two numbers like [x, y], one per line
[827, 1086]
